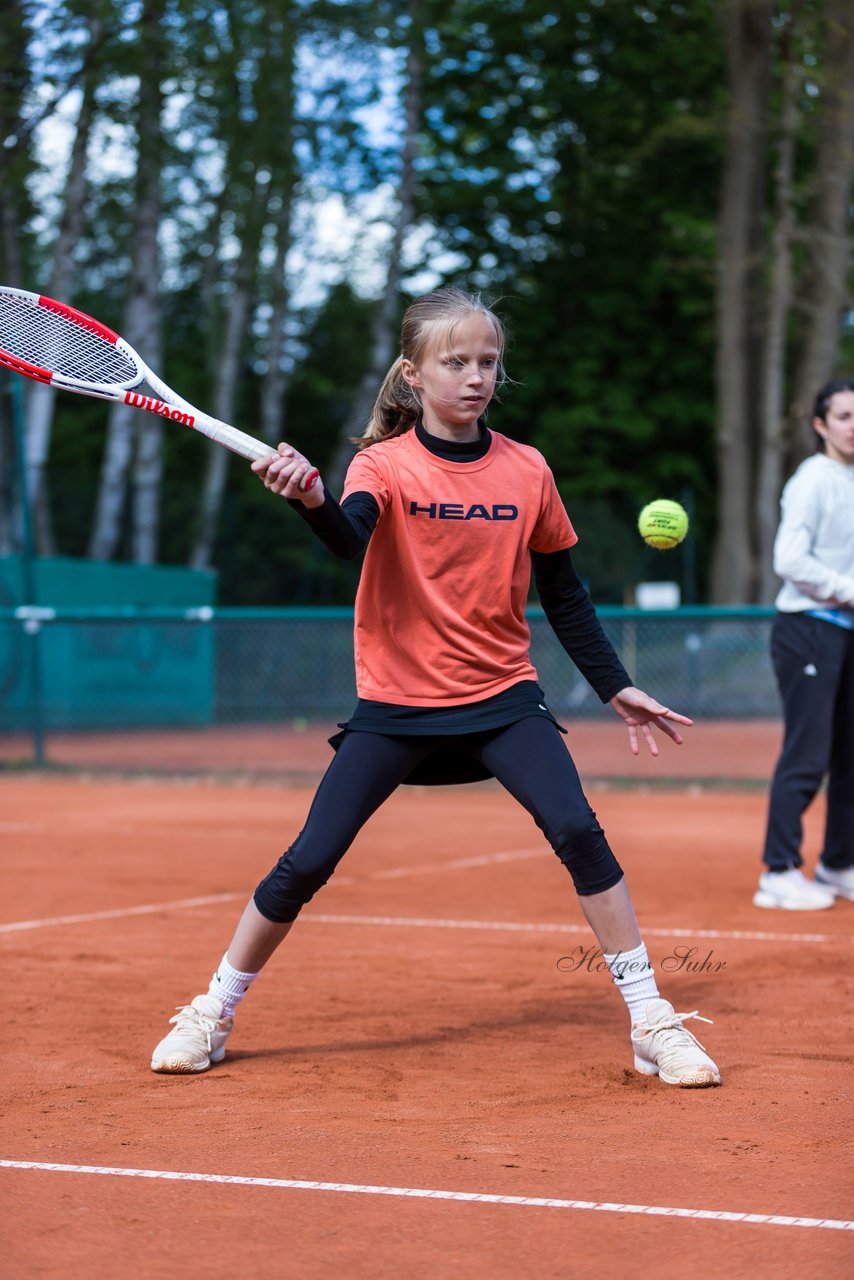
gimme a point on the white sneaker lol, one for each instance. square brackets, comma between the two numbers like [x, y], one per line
[197, 1040]
[791, 891]
[665, 1049]
[839, 882]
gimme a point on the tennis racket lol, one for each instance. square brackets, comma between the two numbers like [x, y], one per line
[62, 347]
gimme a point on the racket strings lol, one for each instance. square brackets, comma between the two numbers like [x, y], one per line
[53, 342]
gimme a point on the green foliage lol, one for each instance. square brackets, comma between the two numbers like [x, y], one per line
[600, 245]
[16, 161]
[568, 165]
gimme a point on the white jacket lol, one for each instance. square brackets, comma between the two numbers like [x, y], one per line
[814, 547]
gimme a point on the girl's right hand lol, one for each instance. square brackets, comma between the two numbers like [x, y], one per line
[282, 473]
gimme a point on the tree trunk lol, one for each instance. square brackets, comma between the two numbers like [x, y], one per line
[9, 501]
[15, 161]
[384, 338]
[275, 379]
[148, 469]
[118, 450]
[825, 286]
[42, 400]
[773, 389]
[748, 41]
[16, 85]
[260, 167]
[278, 72]
[141, 328]
[216, 471]
[228, 374]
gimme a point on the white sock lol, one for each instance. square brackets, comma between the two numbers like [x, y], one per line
[634, 979]
[230, 986]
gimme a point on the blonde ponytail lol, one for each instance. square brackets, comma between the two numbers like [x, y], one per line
[395, 410]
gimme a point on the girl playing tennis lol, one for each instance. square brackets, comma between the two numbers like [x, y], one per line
[454, 517]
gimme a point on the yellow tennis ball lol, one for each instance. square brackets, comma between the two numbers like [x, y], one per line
[663, 524]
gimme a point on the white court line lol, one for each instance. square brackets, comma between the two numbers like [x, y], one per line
[457, 864]
[120, 913]
[416, 922]
[180, 903]
[83, 825]
[423, 1193]
[512, 926]
[408, 869]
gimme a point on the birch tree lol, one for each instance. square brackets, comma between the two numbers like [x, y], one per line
[825, 286]
[60, 282]
[803, 284]
[249, 112]
[15, 85]
[281, 120]
[14, 162]
[279, 75]
[237, 314]
[127, 429]
[148, 467]
[387, 317]
[748, 54]
[772, 390]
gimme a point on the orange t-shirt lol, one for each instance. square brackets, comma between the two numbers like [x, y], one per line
[440, 610]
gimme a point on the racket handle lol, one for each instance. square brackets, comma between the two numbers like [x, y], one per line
[256, 449]
[248, 447]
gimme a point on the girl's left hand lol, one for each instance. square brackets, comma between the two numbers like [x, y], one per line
[640, 711]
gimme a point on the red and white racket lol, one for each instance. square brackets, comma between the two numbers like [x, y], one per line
[63, 347]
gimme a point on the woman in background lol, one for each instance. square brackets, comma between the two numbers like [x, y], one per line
[812, 649]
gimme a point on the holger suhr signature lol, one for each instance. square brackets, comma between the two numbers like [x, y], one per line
[682, 959]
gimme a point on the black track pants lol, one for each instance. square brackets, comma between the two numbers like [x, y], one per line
[814, 664]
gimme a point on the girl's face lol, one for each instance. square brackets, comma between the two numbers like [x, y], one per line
[837, 428]
[455, 380]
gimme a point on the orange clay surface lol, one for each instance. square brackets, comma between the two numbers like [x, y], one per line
[435, 1022]
[713, 751]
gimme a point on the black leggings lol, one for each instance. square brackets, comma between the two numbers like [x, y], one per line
[528, 758]
[814, 664]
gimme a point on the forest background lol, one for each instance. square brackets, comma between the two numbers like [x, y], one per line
[656, 197]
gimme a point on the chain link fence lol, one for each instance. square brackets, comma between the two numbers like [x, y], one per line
[709, 663]
[80, 670]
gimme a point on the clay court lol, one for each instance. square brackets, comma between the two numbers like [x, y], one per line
[433, 1077]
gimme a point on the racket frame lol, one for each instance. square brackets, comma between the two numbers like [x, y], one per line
[165, 402]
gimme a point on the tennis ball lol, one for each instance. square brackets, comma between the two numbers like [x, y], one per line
[663, 524]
